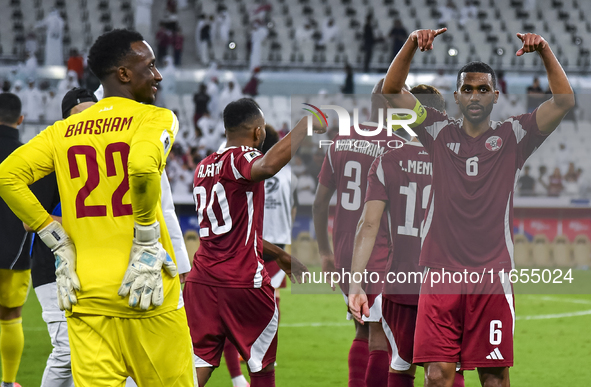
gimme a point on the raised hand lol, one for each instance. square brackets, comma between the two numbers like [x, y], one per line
[531, 42]
[424, 38]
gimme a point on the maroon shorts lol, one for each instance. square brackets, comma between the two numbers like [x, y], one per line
[399, 321]
[472, 328]
[246, 317]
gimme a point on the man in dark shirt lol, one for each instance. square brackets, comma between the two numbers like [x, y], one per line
[527, 184]
[200, 99]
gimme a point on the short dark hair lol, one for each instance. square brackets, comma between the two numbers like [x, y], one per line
[240, 112]
[271, 139]
[429, 96]
[10, 108]
[477, 67]
[109, 50]
[75, 97]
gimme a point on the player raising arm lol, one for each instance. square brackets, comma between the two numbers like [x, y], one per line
[470, 210]
[228, 292]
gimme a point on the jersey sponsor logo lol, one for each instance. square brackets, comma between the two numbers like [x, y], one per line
[494, 143]
[252, 155]
[454, 146]
[271, 185]
[99, 126]
[423, 153]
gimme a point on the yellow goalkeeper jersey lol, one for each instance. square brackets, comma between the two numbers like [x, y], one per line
[96, 155]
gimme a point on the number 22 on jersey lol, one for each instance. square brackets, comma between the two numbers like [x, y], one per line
[93, 180]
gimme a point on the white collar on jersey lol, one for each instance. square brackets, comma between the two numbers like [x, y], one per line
[225, 149]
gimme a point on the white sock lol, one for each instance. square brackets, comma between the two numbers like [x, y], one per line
[6, 384]
[239, 381]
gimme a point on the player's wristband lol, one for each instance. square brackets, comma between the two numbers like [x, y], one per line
[147, 234]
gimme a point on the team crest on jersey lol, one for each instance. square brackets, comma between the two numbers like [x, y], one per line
[165, 138]
[494, 143]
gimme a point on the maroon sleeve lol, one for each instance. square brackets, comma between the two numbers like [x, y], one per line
[528, 136]
[242, 161]
[428, 130]
[326, 177]
[376, 182]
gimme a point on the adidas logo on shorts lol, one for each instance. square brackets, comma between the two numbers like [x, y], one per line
[495, 355]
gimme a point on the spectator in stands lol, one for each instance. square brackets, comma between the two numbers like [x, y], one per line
[571, 181]
[330, 32]
[32, 100]
[535, 95]
[31, 43]
[257, 36]
[306, 188]
[369, 41]
[229, 93]
[563, 158]
[171, 6]
[203, 39]
[29, 68]
[398, 34]
[201, 100]
[67, 84]
[223, 25]
[163, 40]
[555, 186]
[469, 11]
[54, 34]
[76, 63]
[526, 183]
[541, 189]
[304, 33]
[213, 90]
[349, 86]
[284, 130]
[252, 86]
[448, 13]
[177, 44]
[210, 139]
[53, 107]
[168, 84]
[17, 89]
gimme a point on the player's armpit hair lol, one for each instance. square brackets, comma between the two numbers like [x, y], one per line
[477, 67]
[240, 112]
[110, 49]
[10, 108]
[429, 96]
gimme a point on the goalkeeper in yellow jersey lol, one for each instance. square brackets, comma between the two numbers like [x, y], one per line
[115, 266]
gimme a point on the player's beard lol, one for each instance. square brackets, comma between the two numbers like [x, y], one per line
[260, 146]
[482, 116]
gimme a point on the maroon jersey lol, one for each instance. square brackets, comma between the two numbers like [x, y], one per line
[402, 178]
[469, 220]
[230, 209]
[345, 169]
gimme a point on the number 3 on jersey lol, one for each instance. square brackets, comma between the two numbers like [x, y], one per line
[200, 195]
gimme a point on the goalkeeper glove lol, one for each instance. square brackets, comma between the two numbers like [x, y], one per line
[55, 237]
[143, 278]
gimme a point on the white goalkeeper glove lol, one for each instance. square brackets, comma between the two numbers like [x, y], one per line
[143, 278]
[55, 237]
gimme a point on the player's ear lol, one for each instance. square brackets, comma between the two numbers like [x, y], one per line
[20, 120]
[496, 96]
[124, 74]
[456, 97]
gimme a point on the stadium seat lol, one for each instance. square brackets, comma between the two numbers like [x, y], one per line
[582, 251]
[562, 252]
[522, 252]
[541, 251]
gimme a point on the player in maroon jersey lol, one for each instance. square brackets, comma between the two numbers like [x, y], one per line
[228, 294]
[470, 211]
[344, 170]
[401, 180]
